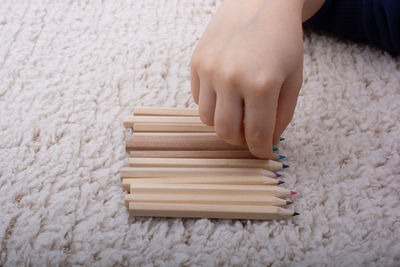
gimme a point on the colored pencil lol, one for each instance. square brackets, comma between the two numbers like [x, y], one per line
[179, 210]
[172, 127]
[207, 199]
[179, 141]
[129, 121]
[252, 180]
[267, 190]
[155, 172]
[215, 154]
[165, 111]
[206, 163]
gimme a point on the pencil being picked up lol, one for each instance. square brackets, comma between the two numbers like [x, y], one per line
[179, 167]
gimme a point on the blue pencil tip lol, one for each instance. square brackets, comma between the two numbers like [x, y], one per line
[278, 174]
[282, 157]
[285, 166]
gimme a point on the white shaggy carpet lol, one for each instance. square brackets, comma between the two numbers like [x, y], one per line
[70, 71]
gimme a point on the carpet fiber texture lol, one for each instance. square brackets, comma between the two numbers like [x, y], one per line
[70, 71]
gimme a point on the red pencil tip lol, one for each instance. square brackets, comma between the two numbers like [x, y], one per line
[293, 192]
[280, 182]
[289, 202]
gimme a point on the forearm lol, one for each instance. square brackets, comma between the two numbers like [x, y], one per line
[310, 7]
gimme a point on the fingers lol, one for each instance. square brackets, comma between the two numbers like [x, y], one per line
[259, 120]
[202, 90]
[194, 84]
[287, 103]
[228, 117]
[207, 100]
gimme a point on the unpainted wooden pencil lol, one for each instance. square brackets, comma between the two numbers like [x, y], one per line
[207, 199]
[232, 154]
[270, 190]
[179, 210]
[126, 182]
[215, 154]
[154, 172]
[129, 121]
[270, 165]
[165, 111]
[179, 141]
[173, 127]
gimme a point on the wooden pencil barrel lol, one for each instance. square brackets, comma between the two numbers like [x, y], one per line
[206, 163]
[165, 111]
[129, 121]
[206, 199]
[267, 190]
[173, 127]
[255, 180]
[179, 210]
[179, 141]
[215, 154]
[154, 172]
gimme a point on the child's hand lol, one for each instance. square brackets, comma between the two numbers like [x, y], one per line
[246, 72]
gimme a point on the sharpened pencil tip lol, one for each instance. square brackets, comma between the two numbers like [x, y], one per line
[275, 148]
[282, 157]
[280, 182]
[293, 192]
[282, 139]
[295, 214]
[289, 202]
[285, 166]
[278, 174]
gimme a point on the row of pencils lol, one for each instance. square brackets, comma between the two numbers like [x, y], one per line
[179, 167]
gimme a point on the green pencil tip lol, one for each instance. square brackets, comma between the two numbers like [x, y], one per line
[295, 214]
[282, 139]
[275, 148]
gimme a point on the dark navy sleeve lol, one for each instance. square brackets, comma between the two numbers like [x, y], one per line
[370, 21]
